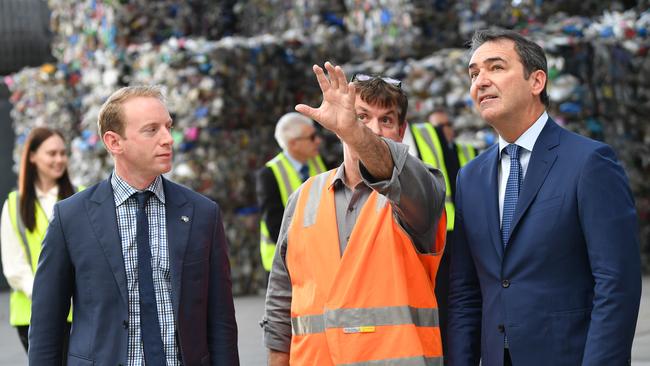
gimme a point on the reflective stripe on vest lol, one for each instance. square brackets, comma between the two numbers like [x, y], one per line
[465, 153]
[430, 149]
[352, 320]
[404, 361]
[288, 180]
[351, 310]
[20, 306]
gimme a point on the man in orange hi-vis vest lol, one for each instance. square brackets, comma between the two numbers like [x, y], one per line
[352, 281]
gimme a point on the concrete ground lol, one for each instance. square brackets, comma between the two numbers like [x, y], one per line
[251, 350]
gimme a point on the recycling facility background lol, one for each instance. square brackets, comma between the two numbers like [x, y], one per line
[232, 68]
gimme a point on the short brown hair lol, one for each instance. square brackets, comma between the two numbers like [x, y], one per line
[382, 94]
[111, 116]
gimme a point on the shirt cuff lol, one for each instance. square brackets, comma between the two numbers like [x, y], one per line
[277, 336]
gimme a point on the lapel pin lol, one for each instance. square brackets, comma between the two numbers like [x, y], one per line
[185, 218]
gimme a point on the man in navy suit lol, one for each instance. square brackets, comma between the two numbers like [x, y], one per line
[545, 268]
[143, 259]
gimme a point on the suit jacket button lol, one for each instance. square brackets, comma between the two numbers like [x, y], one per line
[505, 283]
[501, 328]
[125, 324]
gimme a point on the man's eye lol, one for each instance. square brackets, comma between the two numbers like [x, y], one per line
[361, 117]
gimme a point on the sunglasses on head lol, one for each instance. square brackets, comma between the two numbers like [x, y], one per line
[363, 77]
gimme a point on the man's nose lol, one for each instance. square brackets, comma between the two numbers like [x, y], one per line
[167, 138]
[373, 125]
[482, 80]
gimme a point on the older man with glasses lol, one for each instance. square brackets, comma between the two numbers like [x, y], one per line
[283, 174]
[353, 277]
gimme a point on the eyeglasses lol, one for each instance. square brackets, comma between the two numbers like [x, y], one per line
[313, 136]
[363, 77]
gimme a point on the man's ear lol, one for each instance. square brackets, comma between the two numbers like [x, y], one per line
[538, 81]
[113, 142]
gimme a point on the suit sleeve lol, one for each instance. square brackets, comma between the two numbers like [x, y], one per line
[269, 201]
[609, 223]
[53, 287]
[465, 301]
[222, 326]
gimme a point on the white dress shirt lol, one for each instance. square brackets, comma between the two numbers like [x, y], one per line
[526, 141]
[294, 162]
[409, 141]
[15, 265]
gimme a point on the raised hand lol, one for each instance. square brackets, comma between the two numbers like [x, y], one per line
[336, 112]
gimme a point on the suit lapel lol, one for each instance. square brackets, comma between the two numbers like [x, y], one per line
[541, 160]
[489, 170]
[179, 215]
[101, 213]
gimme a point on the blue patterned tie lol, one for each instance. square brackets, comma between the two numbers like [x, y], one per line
[154, 351]
[304, 172]
[512, 192]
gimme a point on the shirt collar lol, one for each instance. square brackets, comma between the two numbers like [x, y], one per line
[295, 163]
[52, 192]
[527, 139]
[339, 179]
[123, 191]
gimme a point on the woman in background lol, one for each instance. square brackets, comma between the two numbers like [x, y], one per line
[42, 181]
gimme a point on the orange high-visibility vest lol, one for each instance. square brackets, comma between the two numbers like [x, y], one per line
[374, 303]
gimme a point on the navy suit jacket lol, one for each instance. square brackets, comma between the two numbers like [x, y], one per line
[82, 259]
[566, 289]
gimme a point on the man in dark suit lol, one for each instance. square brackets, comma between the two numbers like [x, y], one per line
[437, 146]
[545, 267]
[143, 259]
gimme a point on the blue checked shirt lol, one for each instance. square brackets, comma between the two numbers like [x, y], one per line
[126, 208]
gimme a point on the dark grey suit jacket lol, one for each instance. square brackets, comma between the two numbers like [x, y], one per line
[82, 259]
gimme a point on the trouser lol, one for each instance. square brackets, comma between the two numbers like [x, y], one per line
[506, 357]
[23, 334]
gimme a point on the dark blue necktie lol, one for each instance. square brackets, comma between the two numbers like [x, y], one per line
[154, 351]
[512, 191]
[304, 172]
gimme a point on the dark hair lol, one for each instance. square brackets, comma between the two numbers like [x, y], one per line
[27, 176]
[380, 93]
[530, 53]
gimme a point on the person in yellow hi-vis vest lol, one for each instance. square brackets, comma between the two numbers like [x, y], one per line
[284, 173]
[437, 146]
[353, 277]
[42, 181]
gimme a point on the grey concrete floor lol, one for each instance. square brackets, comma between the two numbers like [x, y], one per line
[251, 350]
